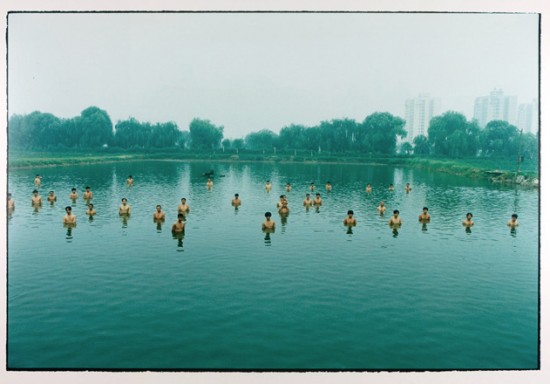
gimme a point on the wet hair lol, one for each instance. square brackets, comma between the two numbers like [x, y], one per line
[90, 205]
[515, 216]
[396, 211]
[350, 212]
[51, 192]
[469, 214]
[87, 187]
[68, 208]
[129, 176]
[267, 214]
[158, 206]
[183, 198]
[317, 194]
[307, 194]
[73, 189]
[282, 196]
[180, 216]
[124, 199]
[35, 191]
[236, 195]
[328, 182]
[312, 183]
[425, 208]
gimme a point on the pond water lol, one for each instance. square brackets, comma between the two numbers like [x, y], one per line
[116, 293]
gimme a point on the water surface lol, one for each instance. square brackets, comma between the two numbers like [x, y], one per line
[114, 293]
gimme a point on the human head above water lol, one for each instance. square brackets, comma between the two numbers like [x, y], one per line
[180, 216]
[267, 214]
[350, 212]
[514, 216]
[469, 215]
[396, 212]
[124, 200]
[68, 209]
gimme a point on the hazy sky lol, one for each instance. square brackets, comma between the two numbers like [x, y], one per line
[252, 71]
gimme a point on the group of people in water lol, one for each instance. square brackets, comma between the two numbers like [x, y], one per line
[267, 226]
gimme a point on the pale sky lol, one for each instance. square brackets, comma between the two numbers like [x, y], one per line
[253, 71]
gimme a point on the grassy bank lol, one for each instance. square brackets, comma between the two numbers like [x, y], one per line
[473, 167]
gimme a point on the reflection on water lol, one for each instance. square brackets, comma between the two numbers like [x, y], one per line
[395, 229]
[349, 230]
[424, 226]
[124, 219]
[267, 237]
[468, 229]
[159, 223]
[179, 238]
[69, 234]
[513, 231]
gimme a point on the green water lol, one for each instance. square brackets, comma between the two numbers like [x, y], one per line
[126, 294]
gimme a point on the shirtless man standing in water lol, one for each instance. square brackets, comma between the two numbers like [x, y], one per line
[10, 203]
[87, 194]
[52, 198]
[236, 202]
[350, 220]
[159, 215]
[424, 216]
[468, 222]
[69, 217]
[395, 220]
[308, 202]
[36, 199]
[124, 208]
[183, 207]
[381, 208]
[73, 195]
[179, 226]
[513, 221]
[268, 224]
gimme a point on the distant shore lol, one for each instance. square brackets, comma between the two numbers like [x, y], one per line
[496, 170]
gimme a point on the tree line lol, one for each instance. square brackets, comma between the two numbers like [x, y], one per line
[449, 135]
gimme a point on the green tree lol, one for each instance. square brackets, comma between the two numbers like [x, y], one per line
[238, 144]
[262, 140]
[406, 148]
[499, 138]
[421, 145]
[292, 137]
[164, 135]
[452, 135]
[381, 130]
[96, 128]
[205, 135]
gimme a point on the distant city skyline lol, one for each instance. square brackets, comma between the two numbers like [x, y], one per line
[254, 71]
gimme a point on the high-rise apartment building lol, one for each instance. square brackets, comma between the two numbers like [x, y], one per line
[418, 113]
[496, 106]
[528, 117]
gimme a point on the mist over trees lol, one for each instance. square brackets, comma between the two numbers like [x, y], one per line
[450, 135]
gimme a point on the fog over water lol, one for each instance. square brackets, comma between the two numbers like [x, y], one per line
[252, 71]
